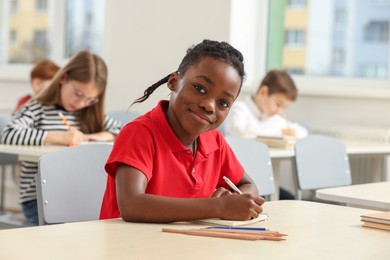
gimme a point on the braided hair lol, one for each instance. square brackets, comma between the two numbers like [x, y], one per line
[219, 50]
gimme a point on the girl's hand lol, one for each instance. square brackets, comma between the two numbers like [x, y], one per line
[69, 137]
[241, 207]
[74, 137]
[289, 132]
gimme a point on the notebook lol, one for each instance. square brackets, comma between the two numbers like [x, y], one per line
[279, 142]
[376, 225]
[231, 223]
[380, 217]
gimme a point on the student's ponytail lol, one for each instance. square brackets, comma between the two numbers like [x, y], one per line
[151, 89]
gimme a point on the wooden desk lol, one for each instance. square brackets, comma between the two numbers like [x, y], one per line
[371, 195]
[315, 231]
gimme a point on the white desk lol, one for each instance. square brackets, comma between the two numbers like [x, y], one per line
[371, 195]
[351, 150]
[28, 152]
[315, 231]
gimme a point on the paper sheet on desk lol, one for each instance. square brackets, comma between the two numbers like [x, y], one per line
[280, 142]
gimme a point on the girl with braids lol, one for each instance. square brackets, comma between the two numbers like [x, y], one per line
[168, 165]
[76, 92]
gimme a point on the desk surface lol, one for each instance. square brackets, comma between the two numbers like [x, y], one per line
[315, 231]
[352, 150]
[28, 152]
[371, 195]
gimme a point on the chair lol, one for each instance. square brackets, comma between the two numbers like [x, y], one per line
[6, 160]
[255, 158]
[71, 183]
[320, 162]
[124, 116]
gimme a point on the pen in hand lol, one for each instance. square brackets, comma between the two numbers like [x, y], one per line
[64, 120]
[231, 184]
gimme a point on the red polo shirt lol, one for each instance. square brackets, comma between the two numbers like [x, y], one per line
[150, 145]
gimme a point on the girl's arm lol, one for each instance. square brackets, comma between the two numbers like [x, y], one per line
[137, 206]
[21, 130]
[246, 185]
[101, 136]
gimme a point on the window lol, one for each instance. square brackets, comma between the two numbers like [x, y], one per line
[377, 31]
[13, 37]
[40, 6]
[338, 56]
[333, 45]
[296, 3]
[84, 23]
[339, 17]
[14, 6]
[295, 38]
[40, 39]
[374, 70]
[54, 29]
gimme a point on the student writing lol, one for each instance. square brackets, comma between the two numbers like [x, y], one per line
[261, 113]
[77, 91]
[168, 165]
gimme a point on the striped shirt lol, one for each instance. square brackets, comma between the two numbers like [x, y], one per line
[30, 126]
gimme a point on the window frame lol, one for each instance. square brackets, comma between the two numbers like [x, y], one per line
[56, 10]
[308, 85]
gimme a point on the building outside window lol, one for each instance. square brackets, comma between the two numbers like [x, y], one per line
[54, 29]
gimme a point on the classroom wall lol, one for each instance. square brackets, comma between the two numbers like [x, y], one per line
[146, 39]
[152, 42]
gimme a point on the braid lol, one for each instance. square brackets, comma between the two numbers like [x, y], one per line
[151, 89]
[219, 50]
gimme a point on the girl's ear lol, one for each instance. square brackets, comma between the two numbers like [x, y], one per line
[263, 91]
[172, 81]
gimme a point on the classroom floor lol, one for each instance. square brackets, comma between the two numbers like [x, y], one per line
[11, 220]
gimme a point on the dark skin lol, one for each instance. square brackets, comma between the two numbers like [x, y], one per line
[200, 101]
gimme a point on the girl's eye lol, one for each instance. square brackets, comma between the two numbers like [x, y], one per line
[223, 103]
[199, 89]
[78, 94]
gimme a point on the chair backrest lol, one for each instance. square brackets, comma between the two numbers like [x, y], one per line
[320, 162]
[255, 158]
[71, 183]
[124, 116]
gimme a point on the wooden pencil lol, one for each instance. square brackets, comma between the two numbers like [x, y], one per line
[208, 233]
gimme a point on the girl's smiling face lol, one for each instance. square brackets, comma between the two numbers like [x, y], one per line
[202, 97]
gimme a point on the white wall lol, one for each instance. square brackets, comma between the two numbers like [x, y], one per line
[146, 41]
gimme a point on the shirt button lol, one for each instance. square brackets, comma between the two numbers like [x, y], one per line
[193, 170]
[188, 151]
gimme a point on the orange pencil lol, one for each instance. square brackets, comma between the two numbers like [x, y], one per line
[253, 232]
[64, 120]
